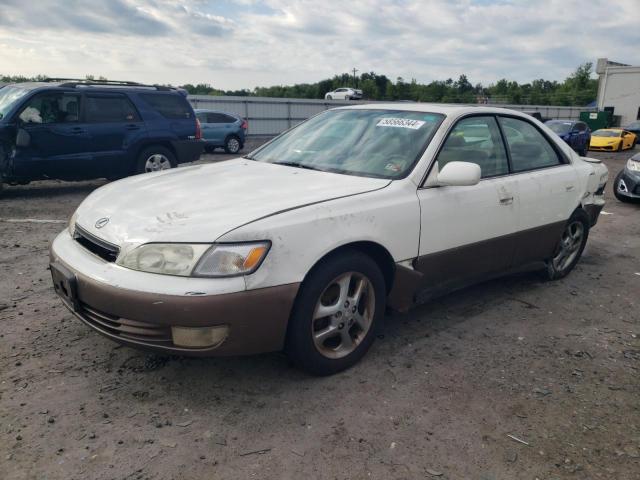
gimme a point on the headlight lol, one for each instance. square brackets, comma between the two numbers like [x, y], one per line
[72, 223]
[201, 260]
[633, 165]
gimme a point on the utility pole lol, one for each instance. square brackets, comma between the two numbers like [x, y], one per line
[355, 82]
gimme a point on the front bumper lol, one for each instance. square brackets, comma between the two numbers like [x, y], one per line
[256, 319]
[628, 184]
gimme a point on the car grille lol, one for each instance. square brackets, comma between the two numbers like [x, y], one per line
[141, 332]
[102, 249]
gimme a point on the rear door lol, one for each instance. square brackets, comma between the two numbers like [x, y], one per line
[548, 189]
[115, 128]
[467, 233]
[222, 125]
[59, 140]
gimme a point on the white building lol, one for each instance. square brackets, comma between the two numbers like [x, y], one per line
[619, 89]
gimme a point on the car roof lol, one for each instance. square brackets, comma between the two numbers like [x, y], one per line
[435, 108]
[68, 85]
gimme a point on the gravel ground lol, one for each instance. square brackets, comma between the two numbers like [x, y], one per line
[516, 378]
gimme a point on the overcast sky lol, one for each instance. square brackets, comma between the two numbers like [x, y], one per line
[235, 44]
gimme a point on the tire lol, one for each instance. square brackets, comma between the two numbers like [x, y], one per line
[570, 246]
[329, 97]
[232, 144]
[209, 149]
[348, 329]
[618, 195]
[154, 159]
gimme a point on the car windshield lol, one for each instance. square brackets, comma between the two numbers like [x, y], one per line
[371, 143]
[560, 127]
[9, 96]
[606, 133]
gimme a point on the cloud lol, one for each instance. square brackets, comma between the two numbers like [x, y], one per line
[235, 44]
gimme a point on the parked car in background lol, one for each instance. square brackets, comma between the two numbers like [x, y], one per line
[344, 94]
[222, 130]
[79, 129]
[577, 134]
[626, 186]
[634, 127]
[302, 244]
[612, 139]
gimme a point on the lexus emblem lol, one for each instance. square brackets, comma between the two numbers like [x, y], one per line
[102, 222]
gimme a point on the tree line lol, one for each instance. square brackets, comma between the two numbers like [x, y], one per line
[577, 89]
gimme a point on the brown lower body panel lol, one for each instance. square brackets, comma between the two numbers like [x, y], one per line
[257, 319]
[442, 272]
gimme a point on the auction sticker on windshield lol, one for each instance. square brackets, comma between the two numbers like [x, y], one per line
[400, 123]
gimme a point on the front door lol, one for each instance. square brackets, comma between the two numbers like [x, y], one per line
[467, 233]
[59, 141]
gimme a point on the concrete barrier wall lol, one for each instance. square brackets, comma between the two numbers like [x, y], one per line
[271, 116]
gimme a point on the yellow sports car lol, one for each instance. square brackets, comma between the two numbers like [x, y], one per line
[609, 139]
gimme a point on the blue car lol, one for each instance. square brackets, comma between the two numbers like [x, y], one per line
[79, 129]
[222, 130]
[576, 134]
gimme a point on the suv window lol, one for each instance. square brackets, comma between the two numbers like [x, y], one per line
[581, 127]
[110, 108]
[529, 149]
[53, 107]
[476, 140]
[219, 118]
[168, 105]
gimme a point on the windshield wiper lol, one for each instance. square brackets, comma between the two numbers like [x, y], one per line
[299, 165]
[248, 157]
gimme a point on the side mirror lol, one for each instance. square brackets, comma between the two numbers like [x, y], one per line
[459, 174]
[23, 139]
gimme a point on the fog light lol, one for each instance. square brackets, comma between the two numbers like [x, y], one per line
[195, 337]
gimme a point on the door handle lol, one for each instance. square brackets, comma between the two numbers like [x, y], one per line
[132, 127]
[568, 188]
[77, 130]
[506, 200]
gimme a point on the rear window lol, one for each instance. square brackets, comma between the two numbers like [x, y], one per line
[112, 108]
[168, 105]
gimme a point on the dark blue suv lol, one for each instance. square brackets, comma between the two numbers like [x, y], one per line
[576, 134]
[78, 129]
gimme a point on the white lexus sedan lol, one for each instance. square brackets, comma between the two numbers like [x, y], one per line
[302, 244]
[344, 94]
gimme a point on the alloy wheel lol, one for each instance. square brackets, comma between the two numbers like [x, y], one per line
[570, 244]
[157, 162]
[343, 315]
[233, 145]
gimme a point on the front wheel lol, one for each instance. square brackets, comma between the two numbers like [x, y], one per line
[570, 247]
[336, 315]
[155, 159]
[329, 97]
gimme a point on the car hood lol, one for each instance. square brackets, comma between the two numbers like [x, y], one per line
[203, 202]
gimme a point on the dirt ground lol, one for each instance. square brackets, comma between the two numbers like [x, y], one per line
[516, 378]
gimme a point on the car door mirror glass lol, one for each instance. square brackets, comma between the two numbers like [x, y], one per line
[459, 174]
[23, 139]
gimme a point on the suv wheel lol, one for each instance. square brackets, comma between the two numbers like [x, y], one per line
[336, 315]
[232, 144]
[154, 159]
[570, 247]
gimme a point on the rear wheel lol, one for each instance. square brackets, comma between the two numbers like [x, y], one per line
[329, 97]
[570, 247]
[337, 313]
[154, 159]
[232, 144]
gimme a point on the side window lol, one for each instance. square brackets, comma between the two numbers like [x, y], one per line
[582, 127]
[111, 108]
[476, 140]
[54, 107]
[220, 118]
[202, 116]
[169, 105]
[529, 149]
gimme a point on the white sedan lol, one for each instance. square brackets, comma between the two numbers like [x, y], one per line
[301, 245]
[344, 94]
